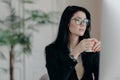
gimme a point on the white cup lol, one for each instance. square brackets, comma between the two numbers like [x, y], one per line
[89, 51]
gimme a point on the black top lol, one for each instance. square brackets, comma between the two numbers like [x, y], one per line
[61, 67]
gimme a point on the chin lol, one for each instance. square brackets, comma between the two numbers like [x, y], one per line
[81, 34]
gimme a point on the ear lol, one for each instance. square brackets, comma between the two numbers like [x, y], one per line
[68, 24]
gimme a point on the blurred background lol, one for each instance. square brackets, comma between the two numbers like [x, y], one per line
[110, 30]
[27, 26]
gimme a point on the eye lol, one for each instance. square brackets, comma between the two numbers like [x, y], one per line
[78, 21]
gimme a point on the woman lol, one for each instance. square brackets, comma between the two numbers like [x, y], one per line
[73, 41]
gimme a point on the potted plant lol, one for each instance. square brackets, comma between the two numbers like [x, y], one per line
[15, 31]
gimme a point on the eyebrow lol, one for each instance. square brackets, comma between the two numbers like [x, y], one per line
[79, 18]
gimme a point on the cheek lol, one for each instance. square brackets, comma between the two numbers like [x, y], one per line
[72, 28]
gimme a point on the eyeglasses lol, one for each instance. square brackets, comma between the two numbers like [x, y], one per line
[79, 21]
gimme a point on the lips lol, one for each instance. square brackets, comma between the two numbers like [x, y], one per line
[81, 30]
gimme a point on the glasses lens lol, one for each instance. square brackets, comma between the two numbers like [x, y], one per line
[80, 21]
[86, 22]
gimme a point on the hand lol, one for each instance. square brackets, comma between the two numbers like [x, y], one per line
[88, 44]
[84, 45]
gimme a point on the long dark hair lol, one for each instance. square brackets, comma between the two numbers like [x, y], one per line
[63, 31]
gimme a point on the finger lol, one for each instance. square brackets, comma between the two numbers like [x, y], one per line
[97, 49]
[91, 39]
[97, 46]
[95, 40]
[89, 45]
[88, 48]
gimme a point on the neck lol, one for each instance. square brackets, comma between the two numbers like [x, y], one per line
[73, 41]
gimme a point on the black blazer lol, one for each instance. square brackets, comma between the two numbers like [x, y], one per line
[61, 67]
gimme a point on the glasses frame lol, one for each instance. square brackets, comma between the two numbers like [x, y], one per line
[79, 21]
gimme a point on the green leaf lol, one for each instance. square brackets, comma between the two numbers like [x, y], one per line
[4, 37]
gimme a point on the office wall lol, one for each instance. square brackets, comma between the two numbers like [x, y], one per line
[110, 30]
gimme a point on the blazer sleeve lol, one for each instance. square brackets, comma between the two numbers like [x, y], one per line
[56, 70]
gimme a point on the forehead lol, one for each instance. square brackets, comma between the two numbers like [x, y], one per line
[79, 14]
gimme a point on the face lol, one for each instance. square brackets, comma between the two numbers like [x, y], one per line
[78, 23]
